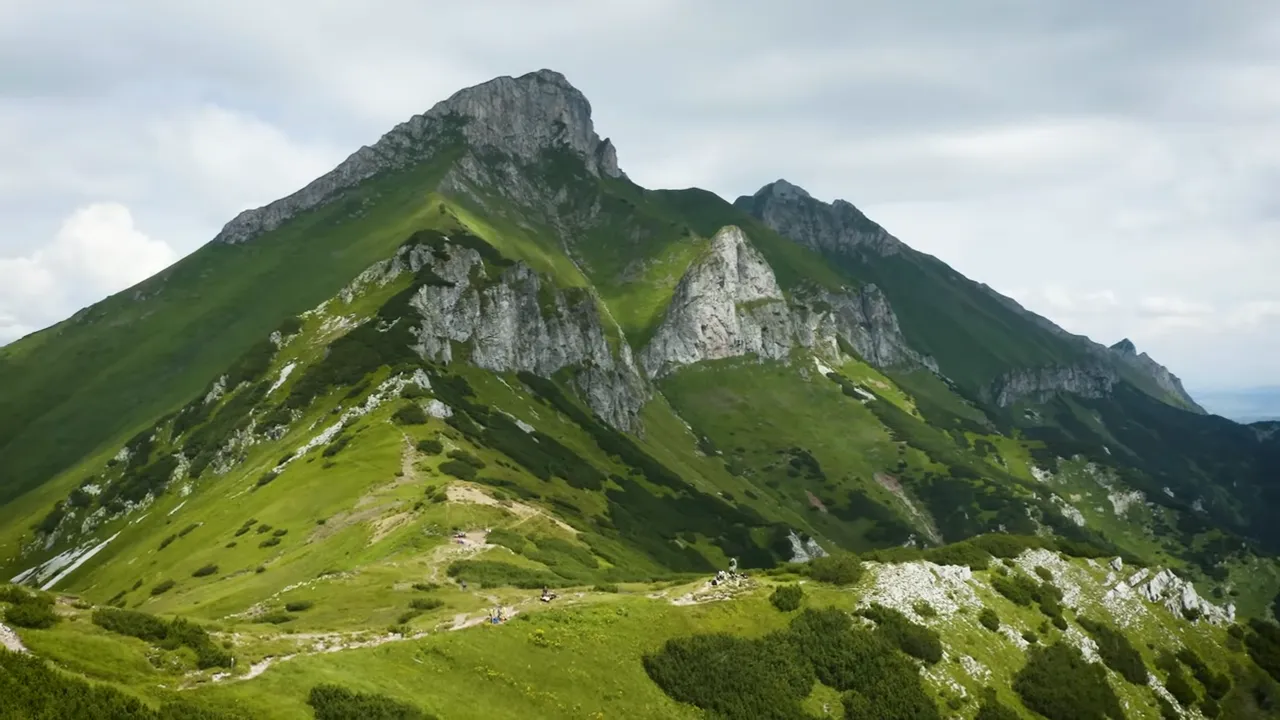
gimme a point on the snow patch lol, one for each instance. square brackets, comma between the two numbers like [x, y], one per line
[285, 372]
[64, 564]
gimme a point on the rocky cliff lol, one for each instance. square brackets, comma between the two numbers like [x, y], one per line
[729, 304]
[837, 227]
[1040, 384]
[1165, 380]
[511, 319]
[516, 117]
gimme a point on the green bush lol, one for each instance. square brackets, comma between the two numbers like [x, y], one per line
[734, 678]
[1180, 688]
[162, 587]
[426, 587]
[167, 541]
[1216, 685]
[299, 606]
[989, 619]
[458, 469]
[276, 617]
[331, 702]
[430, 446]
[992, 709]
[924, 609]
[836, 569]
[1060, 684]
[490, 573]
[912, 638]
[30, 688]
[1044, 573]
[267, 477]
[466, 457]
[36, 613]
[787, 597]
[205, 571]
[168, 635]
[410, 414]
[270, 542]
[336, 445]
[426, 604]
[605, 588]
[1116, 651]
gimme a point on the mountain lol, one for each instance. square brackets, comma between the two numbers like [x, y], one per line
[287, 476]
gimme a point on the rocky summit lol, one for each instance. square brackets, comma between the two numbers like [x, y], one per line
[474, 426]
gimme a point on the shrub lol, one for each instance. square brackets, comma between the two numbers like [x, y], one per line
[490, 573]
[837, 569]
[1116, 651]
[276, 617]
[426, 587]
[167, 541]
[733, 677]
[205, 571]
[336, 445]
[267, 477]
[162, 587]
[1180, 688]
[264, 528]
[299, 606]
[35, 613]
[605, 588]
[787, 597]
[260, 569]
[992, 709]
[270, 542]
[430, 446]
[460, 470]
[1059, 684]
[1044, 573]
[332, 702]
[1216, 686]
[410, 414]
[989, 619]
[912, 638]
[1030, 637]
[168, 635]
[924, 609]
[466, 457]
[280, 532]
[425, 604]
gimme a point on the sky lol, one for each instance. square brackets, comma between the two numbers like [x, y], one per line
[1112, 166]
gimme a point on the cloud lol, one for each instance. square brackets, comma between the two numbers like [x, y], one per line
[95, 253]
[1071, 147]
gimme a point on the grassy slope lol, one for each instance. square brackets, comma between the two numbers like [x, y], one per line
[580, 657]
[103, 374]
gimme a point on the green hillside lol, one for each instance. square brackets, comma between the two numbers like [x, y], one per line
[301, 473]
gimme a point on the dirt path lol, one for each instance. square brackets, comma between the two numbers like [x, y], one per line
[10, 640]
[460, 492]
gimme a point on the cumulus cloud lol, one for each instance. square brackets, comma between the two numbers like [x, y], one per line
[96, 252]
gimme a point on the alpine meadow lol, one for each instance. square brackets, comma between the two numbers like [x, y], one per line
[474, 426]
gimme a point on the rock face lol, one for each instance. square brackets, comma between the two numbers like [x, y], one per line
[1040, 384]
[836, 227]
[514, 321]
[729, 304]
[1165, 380]
[517, 117]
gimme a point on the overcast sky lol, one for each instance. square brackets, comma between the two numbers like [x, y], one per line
[1113, 166]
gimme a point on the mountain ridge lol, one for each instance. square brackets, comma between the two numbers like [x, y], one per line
[384, 412]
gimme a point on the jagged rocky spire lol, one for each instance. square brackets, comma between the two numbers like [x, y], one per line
[835, 227]
[516, 116]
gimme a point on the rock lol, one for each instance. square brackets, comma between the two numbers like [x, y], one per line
[516, 322]
[1165, 380]
[1117, 564]
[515, 117]
[729, 304]
[437, 409]
[804, 550]
[836, 227]
[1040, 384]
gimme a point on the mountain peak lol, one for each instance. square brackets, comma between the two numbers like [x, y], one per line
[1125, 347]
[520, 117]
[835, 227]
